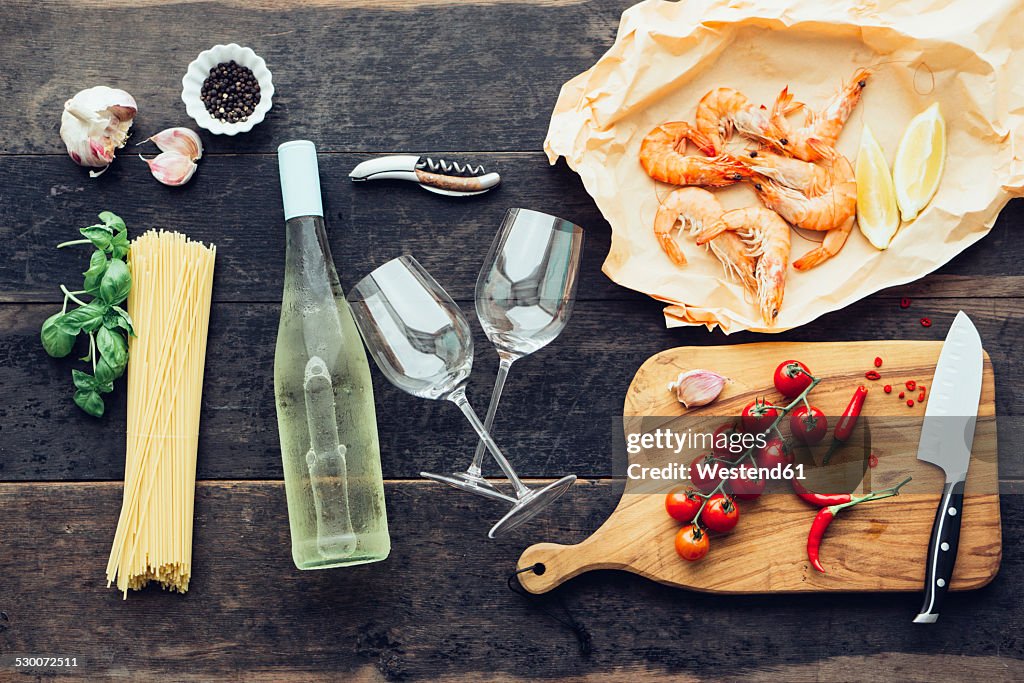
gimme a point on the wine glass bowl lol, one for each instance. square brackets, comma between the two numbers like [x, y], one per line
[415, 332]
[527, 285]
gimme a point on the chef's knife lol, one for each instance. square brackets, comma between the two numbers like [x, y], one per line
[451, 178]
[946, 440]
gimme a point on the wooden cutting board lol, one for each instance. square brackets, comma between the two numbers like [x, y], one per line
[872, 547]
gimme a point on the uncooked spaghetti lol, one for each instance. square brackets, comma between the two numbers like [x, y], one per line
[172, 281]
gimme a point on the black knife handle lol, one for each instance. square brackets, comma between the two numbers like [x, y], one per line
[942, 551]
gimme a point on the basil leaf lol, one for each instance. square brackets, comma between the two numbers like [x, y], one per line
[112, 220]
[90, 402]
[88, 318]
[119, 245]
[116, 283]
[125, 321]
[112, 347]
[57, 342]
[100, 237]
[105, 373]
[83, 380]
[97, 267]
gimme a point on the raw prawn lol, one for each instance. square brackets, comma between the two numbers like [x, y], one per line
[724, 110]
[820, 131]
[662, 155]
[767, 235]
[698, 210]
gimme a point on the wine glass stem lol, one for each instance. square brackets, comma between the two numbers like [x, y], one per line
[458, 397]
[475, 469]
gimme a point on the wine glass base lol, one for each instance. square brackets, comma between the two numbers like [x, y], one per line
[473, 484]
[527, 507]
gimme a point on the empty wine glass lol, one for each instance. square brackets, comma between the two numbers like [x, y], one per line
[524, 296]
[421, 341]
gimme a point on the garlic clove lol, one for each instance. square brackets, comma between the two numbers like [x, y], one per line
[171, 168]
[95, 122]
[697, 387]
[181, 140]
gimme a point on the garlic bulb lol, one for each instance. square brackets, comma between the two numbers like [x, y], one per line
[181, 140]
[95, 122]
[171, 168]
[697, 387]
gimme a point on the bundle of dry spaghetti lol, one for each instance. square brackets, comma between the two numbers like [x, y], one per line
[172, 281]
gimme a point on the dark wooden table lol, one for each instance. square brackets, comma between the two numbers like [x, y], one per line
[361, 77]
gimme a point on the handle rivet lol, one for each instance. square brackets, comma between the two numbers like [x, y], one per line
[944, 546]
[940, 582]
[952, 512]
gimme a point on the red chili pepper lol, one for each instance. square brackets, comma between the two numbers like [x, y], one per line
[878, 362]
[818, 526]
[844, 428]
[887, 388]
[903, 394]
[821, 500]
[872, 375]
[873, 460]
[910, 403]
[827, 514]
[920, 397]
[926, 322]
[905, 302]
[911, 385]
[921, 387]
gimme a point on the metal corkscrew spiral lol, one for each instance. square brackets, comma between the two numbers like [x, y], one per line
[451, 168]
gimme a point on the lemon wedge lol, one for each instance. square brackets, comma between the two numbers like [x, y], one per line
[920, 160]
[877, 213]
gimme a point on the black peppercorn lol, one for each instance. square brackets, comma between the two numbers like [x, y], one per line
[231, 92]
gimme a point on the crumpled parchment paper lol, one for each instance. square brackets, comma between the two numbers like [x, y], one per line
[966, 54]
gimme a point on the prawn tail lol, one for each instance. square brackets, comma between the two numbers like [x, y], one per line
[711, 232]
[815, 257]
[822, 148]
[785, 104]
[671, 249]
[703, 142]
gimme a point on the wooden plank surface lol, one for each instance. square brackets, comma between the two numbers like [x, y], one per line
[477, 79]
[46, 199]
[439, 608]
[561, 407]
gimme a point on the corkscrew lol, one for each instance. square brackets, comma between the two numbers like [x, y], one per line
[443, 176]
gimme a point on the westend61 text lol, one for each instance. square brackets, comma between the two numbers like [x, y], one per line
[665, 439]
[712, 471]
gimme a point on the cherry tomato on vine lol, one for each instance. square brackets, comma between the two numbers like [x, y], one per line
[774, 452]
[692, 543]
[721, 513]
[791, 378]
[748, 486]
[758, 416]
[720, 442]
[808, 427]
[705, 481]
[682, 504]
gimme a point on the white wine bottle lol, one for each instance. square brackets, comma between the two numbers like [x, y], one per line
[325, 411]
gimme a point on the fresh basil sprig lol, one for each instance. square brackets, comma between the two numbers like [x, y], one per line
[108, 281]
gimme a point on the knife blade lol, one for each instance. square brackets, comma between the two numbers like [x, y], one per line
[947, 437]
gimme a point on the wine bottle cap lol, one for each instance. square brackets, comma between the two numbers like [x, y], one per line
[300, 179]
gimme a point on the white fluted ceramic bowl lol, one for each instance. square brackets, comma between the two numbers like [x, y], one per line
[199, 69]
